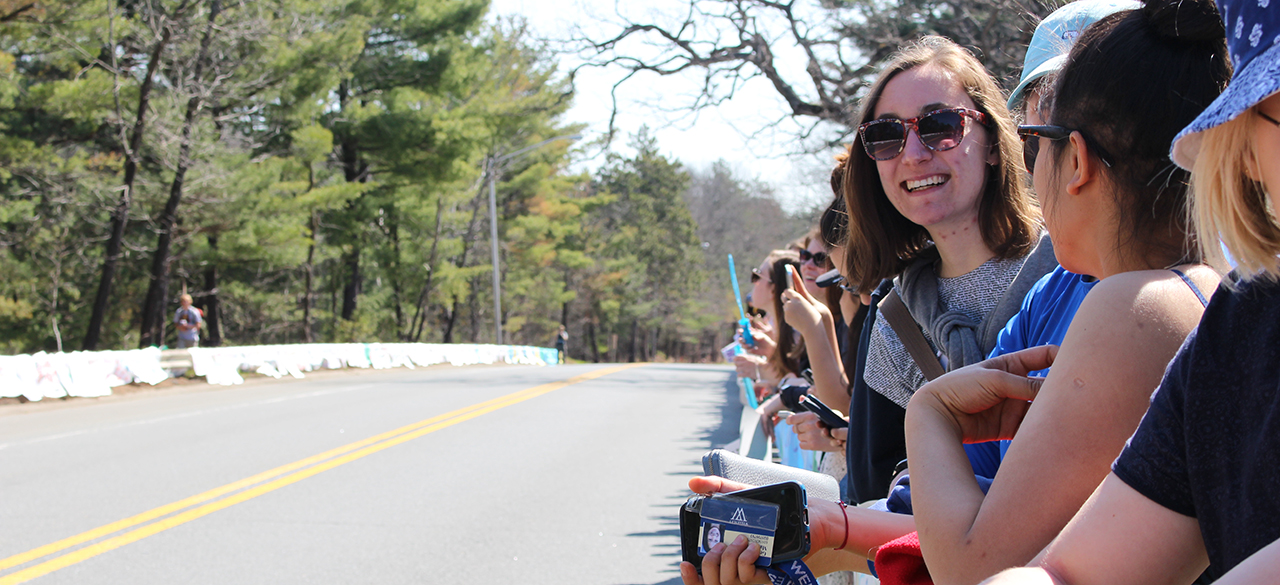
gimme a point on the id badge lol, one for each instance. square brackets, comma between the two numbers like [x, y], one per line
[726, 518]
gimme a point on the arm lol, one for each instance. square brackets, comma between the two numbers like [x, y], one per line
[1261, 567]
[814, 322]
[867, 530]
[1120, 536]
[1114, 353]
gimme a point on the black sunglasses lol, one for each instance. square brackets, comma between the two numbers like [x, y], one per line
[818, 258]
[755, 275]
[939, 130]
[1031, 143]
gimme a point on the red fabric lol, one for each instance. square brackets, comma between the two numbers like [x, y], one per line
[899, 562]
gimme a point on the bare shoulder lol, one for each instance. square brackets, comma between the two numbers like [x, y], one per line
[1159, 298]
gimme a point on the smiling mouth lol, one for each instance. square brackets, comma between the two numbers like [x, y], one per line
[925, 183]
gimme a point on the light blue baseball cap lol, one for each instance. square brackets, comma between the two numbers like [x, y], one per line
[1052, 40]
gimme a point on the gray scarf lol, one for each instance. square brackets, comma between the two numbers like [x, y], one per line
[960, 339]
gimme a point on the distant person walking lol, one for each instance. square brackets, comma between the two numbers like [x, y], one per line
[188, 320]
[562, 337]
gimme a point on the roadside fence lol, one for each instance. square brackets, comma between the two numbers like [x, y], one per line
[91, 374]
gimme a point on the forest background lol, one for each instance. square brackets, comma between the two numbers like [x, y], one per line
[318, 170]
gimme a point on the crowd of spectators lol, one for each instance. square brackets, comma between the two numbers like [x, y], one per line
[1051, 318]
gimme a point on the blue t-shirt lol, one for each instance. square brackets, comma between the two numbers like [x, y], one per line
[1044, 318]
[1209, 445]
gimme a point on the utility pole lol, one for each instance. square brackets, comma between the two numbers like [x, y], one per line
[494, 166]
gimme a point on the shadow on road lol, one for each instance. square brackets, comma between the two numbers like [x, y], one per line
[726, 431]
[721, 430]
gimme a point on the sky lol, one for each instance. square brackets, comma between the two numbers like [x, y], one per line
[745, 132]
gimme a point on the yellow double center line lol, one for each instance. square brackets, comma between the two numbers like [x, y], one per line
[274, 480]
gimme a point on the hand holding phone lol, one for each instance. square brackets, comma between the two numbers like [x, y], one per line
[775, 517]
[825, 414]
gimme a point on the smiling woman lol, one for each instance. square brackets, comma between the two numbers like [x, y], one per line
[935, 201]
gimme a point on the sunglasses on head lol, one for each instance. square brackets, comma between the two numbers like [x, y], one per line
[939, 130]
[1031, 136]
[818, 258]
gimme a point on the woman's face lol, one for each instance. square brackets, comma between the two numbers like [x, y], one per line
[810, 270]
[938, 190]
[837, 258]
[1266, 145]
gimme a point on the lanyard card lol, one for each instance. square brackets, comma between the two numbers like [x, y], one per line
[725, 518]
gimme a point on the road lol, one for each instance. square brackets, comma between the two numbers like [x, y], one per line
[500, 474]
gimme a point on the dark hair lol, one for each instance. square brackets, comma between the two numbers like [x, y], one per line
[835, 231]
[881, 240]
[834, 223]
[1132, 81]
[790, 349]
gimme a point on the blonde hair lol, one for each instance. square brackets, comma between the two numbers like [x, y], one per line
[1227, 204]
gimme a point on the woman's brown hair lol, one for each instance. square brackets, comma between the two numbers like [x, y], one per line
[790, 346]
[881, 240]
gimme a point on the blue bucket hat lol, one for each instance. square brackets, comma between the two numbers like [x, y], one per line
[1054, 35]
[1253, 40]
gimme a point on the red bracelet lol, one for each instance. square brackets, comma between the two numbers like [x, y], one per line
[844, 508]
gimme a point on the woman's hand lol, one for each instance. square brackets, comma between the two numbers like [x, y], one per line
[987, 400]
[813, 435]
[727, 565]
[763, 334]
[803, 312]
[748, 366]
[734, 563]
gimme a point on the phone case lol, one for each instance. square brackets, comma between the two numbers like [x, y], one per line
[828, 416]
[730, 465]
[790, 497]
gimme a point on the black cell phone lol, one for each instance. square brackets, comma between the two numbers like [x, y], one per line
[828, 417]
[829, 279]
[790, 540]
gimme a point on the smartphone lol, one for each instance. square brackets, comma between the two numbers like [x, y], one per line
[829, 279]
[784, 502]
[791, 275]
[828, 417]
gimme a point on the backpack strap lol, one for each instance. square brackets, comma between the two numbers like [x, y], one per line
[899, 319]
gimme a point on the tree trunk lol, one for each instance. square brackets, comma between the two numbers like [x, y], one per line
[354, 286]
[631, 347]
[120, 215]
[354, 169]
[591, 339]
[308, 336]
[453, 318]
[462, 263]
[212, 306]
[420, 317]
[153, 307]
[397, 291]
[473, 307]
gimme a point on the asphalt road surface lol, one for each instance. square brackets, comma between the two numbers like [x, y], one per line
[461, 475]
